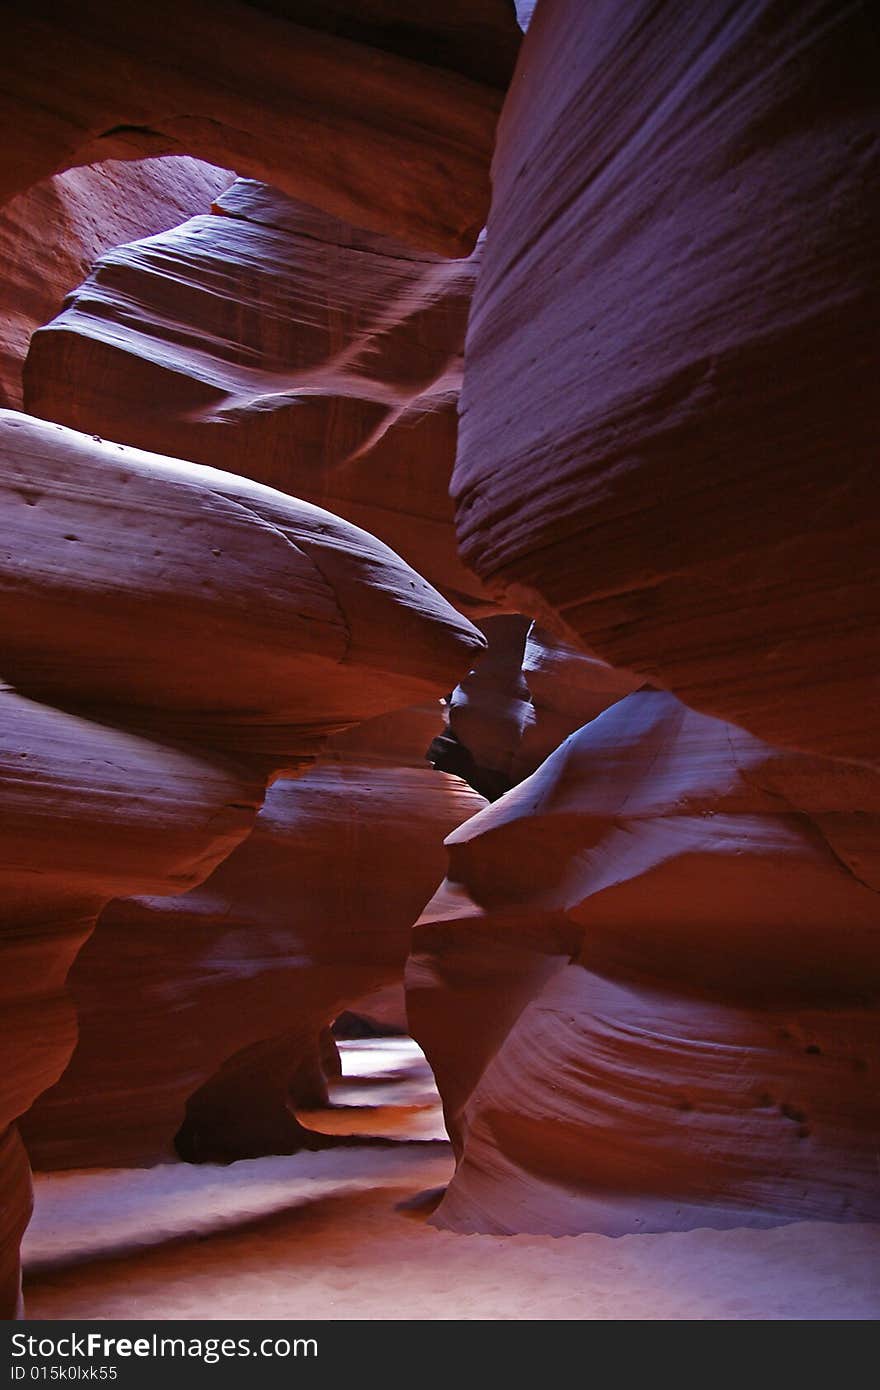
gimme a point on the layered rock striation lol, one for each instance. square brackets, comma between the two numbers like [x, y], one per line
[163, 595]
[270, 339]
[669, 414]
[51, 235]
[649, 990]
[384, 118]
[174, 637]
[201, 1014]
[87, 811]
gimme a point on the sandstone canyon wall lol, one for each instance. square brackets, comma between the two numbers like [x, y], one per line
[525, 694]
[648, 987]
[174, 636]
[88, 811]
[192, 633]
[51, 235]
[239, 976]
[271, 339]
[669, 415]
[313, 911]
[385, 119]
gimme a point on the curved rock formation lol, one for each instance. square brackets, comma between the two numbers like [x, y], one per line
[526, 693]
[218, 997]
[276, 341]
[649, 988]
[51, 235]
[567, 688]
[669, 412]
[339, 118]
[86, 812]
[648, 985]
[127, 578]
[158, 604]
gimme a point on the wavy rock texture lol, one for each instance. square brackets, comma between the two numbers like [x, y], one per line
[526, 693]
[648, 988]
[669, 413]
[158, 603]
[86, 812]
[386, 118]
[130, 580]
[51, 235]
[279, 342]
[218, 997]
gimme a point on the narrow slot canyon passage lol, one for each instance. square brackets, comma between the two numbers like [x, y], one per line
[439, 656]
[342, 1233]
[386, 1090]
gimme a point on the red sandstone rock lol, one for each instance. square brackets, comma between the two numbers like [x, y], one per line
[218, 997]
[567, 689]
[648, 988]
[488, 710]
[669, 412]
[16, 1207]
[50, 236]
[473, 37]
[278, 342]
[649, 983]
[162, 603]
[381, 1013]
[123, 571]
[86, 812]
[525, 694]
[396, 143]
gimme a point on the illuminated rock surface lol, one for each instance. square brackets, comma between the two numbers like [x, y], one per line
[648, 987]
[524, 695]
[273, 340]
[649, 982]
[128, 584]
[669, 410]
[51, 234]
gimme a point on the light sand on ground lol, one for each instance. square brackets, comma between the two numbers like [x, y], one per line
[321, 1235]
[387, 1090]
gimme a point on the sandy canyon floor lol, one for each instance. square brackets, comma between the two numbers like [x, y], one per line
[341, 1233]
